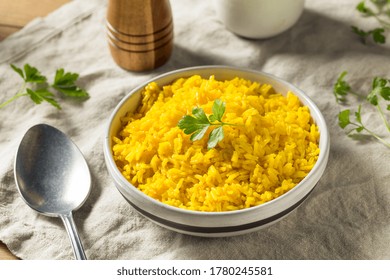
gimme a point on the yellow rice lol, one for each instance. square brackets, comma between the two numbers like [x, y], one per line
[272, 148]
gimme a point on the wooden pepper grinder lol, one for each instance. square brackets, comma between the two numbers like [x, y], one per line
[140, 33]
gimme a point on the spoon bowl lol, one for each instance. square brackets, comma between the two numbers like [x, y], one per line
[53, 177]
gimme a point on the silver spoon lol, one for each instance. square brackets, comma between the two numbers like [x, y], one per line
[53, 177]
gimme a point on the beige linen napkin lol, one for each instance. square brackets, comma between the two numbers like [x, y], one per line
[346, 217]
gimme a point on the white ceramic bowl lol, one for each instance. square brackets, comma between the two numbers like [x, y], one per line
[216, 224]
[258, 19]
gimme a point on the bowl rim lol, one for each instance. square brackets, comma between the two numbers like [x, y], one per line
[318, 168]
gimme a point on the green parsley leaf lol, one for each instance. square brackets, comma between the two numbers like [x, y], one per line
[361, 33]
[378, 82]
[32, 75]
[359, 129]
[199, 123]
[64, 82]
[218, 110]
[196, 125]
[216, 135]
[62, 78]
[344, 118]
[378, 36]
[372, 97]
[341, 88]
[189, 124]
[379, 88]
[40, 95]
[199, 133]
[200, 116]
[385, 93]
[18, 70]
[361, 7]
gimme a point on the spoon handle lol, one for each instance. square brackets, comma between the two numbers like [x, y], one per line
[70, 226]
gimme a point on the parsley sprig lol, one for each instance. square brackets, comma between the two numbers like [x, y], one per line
[36, 87]
[198, 124]
[341, 88]
[379, 94]
[380, 11]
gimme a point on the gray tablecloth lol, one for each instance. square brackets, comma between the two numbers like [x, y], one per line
[346, 217]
